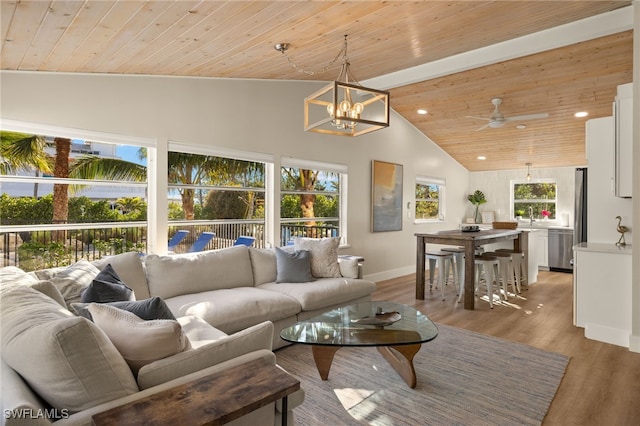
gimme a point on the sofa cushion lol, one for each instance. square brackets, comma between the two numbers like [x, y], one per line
[198, 331]
[323, 292]
[66, 359]
[47, 287]
[11, 276]
[293, 266]
[263, 264]
[72, 280]
[183, 274]
[235, 309]
[251, 339]
[129, 268]
[152, 308]
[107, 287]
[138, 341]
[324, 255]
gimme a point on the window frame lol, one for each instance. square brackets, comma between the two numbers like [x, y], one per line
[340, 169]
[428, 181]
[512, 200]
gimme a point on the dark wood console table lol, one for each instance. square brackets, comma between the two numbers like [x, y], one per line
[215, 399]
[469, 240]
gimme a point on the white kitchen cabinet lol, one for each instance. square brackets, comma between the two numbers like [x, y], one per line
[542, 246]
[602, 292]
[623, 113]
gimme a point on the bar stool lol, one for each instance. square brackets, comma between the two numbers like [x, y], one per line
[487, 266]
[520, 267]
[458, 258]
[441, 260]
[505, 267]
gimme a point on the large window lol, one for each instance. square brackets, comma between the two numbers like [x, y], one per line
[429, 199]
[534, 199]
[70, 194]
[219, 194]
[312, 202]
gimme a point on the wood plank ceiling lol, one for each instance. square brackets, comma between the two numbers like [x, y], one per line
[235, 39]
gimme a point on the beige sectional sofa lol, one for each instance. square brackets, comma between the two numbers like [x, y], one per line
[228, 303]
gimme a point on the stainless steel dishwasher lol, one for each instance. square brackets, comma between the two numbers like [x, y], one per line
[561, 249]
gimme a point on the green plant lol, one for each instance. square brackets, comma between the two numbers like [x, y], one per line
[477, 198]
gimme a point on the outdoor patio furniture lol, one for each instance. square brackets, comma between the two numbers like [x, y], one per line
[177, 239]
[244, 240]
[201, 242]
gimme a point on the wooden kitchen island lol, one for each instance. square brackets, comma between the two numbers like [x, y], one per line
[470, 241]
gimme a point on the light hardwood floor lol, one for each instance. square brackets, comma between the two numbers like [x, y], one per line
[602, 382]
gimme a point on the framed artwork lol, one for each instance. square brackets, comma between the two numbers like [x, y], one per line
[386, 196]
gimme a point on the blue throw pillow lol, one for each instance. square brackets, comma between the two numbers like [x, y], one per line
[153, 308]
[293, 266]
[107, 287]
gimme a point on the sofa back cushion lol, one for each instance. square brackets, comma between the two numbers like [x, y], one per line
[129, 268]
[264, 265]
[66, 359]
[178, 274]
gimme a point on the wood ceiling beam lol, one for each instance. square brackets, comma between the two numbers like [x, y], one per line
[608, 23]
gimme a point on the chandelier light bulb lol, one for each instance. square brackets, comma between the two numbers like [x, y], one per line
[345, 106]
[358, 108]
[330, 109]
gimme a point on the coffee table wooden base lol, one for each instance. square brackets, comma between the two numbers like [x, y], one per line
[399, 357]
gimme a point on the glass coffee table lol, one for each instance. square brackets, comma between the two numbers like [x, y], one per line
[397, 331]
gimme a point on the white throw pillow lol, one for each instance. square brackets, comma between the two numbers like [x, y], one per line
[71, 281]
[324, 255]
[138, 341]
[65, 359]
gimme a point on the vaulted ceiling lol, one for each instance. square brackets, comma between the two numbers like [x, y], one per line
[449, 58]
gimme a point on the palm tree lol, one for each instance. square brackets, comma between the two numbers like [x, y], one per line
[21, 151]
[305, 180]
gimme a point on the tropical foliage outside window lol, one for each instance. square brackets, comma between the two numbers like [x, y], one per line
[429, 199]
[539, 197]
[54, 180]
[310, 202]
[211, 187]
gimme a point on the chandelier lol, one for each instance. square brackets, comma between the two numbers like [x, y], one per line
[343, 107]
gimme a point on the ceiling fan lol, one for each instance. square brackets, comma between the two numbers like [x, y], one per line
[497, 119]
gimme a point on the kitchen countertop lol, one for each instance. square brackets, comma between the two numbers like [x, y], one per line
[603, 248]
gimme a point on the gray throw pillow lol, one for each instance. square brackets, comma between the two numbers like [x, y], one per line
[293, 266]
[107, 287]
[150, 309]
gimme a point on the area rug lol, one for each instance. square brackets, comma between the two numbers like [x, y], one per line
[464, 378]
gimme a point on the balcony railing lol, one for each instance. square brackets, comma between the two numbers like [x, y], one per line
[33, 247]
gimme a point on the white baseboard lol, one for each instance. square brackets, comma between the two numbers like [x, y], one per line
[393, 273]
[634, 343]
[602, 333]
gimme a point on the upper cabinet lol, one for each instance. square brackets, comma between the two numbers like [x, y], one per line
[623, 113]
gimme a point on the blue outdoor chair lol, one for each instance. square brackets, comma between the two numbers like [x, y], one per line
[176, 239]
[244, 241]
[201, 242]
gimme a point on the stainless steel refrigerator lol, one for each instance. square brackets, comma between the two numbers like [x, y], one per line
[580, 211]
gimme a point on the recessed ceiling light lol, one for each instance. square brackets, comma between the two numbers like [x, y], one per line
[422, 111]
[521, 126]
[482, 157]
[581, 114]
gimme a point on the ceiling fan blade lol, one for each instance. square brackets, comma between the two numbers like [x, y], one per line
[527, 117]
[477, 118]
[483, 127]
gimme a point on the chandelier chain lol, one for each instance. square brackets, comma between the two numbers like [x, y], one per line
[324, 69]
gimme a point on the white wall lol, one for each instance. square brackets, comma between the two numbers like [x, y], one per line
[247, 115]
[497, 190]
